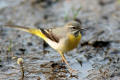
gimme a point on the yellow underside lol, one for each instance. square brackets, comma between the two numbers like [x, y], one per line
[71, 43]
[37, 33]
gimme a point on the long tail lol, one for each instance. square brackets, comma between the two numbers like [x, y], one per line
[33, 31]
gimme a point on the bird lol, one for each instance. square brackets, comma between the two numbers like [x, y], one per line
[62, 39]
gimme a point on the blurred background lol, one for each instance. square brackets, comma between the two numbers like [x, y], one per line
[96, 58]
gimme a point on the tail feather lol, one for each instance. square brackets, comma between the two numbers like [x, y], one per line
[33, 31]
[22, 28]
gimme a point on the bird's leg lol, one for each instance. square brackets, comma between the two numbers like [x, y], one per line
[64, 59]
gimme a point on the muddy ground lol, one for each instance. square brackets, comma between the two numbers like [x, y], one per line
[96, 58]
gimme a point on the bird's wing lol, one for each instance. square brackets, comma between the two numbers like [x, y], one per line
[54, 34]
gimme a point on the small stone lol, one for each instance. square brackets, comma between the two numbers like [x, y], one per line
[29, 44]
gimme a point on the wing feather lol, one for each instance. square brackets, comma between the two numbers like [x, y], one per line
[49, 34]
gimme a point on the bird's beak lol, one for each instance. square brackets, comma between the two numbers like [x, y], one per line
[82, 30]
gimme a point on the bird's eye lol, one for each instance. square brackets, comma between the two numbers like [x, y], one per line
[73, 27]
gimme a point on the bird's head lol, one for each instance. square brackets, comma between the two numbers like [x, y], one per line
[74, 27]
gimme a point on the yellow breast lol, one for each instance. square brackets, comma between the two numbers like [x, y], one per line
[73, 42]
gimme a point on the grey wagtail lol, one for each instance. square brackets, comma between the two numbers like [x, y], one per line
[62, 39]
